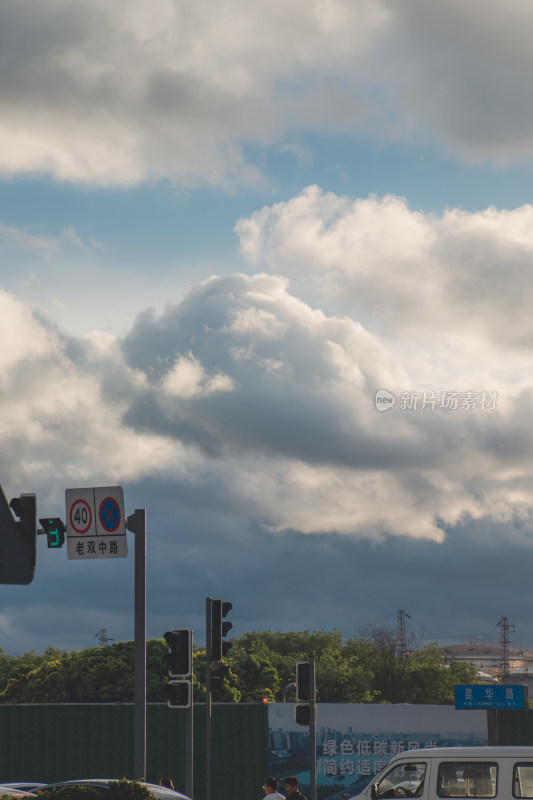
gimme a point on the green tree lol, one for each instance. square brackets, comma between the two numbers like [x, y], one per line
[128, 790]
[259, 665]
[70, 793]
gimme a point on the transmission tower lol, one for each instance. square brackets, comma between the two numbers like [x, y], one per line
[102, 637]
[504, 643]
[401, 643]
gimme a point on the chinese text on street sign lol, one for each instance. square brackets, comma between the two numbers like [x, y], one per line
[497, 696]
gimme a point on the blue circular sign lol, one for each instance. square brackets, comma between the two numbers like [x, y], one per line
[109, 514]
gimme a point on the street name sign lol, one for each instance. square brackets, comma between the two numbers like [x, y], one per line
[96, 526]
[480, 696]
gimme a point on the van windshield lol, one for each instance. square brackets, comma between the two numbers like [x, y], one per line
[403, 780]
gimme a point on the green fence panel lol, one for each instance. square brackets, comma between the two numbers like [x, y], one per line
[59, 742]
[240, 752]
[515, 727]
[239, 749]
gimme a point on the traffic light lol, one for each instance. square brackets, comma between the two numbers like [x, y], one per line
[305, 692]
[303, 682]
[17, 539]
[179, 694]
[179, 660]
[55, 531]
[302, 714]
[219, 628]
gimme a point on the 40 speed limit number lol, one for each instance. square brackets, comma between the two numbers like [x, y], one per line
[80, 512]
[81, 516]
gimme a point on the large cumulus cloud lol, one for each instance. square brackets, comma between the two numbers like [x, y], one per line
[462, 275]
[113, 95]
[257, 401]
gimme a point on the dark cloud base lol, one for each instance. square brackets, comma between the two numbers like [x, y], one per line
[287, 581]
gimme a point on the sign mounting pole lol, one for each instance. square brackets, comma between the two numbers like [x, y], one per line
[136, 523]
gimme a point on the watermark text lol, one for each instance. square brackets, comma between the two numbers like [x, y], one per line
[436, 401]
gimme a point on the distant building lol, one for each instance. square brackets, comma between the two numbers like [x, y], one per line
[487, 658]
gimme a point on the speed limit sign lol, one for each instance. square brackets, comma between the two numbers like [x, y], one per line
[80, 517]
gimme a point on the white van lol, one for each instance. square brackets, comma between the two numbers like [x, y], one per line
[446, 772]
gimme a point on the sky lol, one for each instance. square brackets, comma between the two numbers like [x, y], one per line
[268, 267]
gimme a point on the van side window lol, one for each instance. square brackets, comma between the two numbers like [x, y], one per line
[403, 780]
[467, 779]
[523, 780]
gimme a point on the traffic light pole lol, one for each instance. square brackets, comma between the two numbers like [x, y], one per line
[189, 751]
[312, 732]
[179, 691]
[208, 602]
[136, 523]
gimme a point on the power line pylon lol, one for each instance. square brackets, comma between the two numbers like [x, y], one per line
[504, 643]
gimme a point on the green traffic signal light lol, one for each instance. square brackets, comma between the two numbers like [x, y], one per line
[55, 531]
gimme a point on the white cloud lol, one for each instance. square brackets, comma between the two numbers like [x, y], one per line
[55, 414]
[247, 392]
[113, 96]
[300, 440]
[457, 286]
[460, 73]
[45, 246]
[187, 379]
[107, 95]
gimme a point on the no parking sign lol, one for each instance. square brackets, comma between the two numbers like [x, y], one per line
[96, 527]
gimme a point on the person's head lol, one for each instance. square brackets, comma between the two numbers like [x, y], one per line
[270, 786]
[291, 785]
[166, 782]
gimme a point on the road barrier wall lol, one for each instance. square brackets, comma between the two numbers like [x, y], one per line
[41, 742]
[53, 742]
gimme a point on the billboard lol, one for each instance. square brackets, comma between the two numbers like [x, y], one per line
[354, 742]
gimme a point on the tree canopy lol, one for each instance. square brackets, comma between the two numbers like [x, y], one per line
[261, 665]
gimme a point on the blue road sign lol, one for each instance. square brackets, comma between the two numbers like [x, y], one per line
[110, 516]
[497, 696]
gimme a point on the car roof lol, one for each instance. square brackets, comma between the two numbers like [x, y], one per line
[23, 785]
[102, 783]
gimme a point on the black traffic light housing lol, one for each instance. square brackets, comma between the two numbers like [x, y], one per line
[302, 714]
[219, 628]
[303, 682]
[179, 659]
[179, 694]
[17, 539]
[305, 693]
[55, 531]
